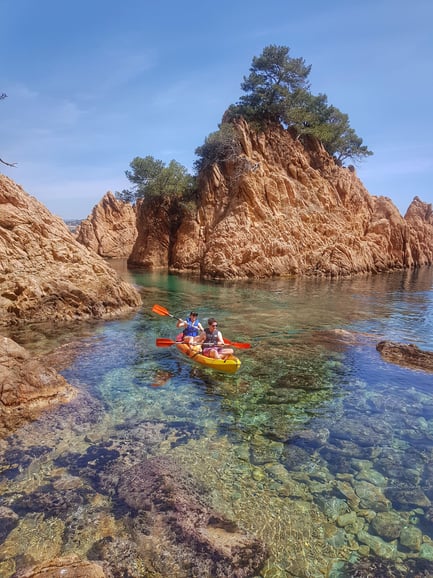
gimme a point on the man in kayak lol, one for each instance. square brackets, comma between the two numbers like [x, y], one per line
[213, 342]
[192, 326]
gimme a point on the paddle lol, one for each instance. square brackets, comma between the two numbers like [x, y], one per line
[165, 342]
[237, 344]
[163, 311]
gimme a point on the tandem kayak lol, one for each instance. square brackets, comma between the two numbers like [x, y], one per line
[229, 365]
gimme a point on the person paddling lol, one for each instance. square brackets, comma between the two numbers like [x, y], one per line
[192, 326]
[213, 342]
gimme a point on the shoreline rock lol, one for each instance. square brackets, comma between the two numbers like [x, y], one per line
[406, 355]
[45, 274]
[27, 387]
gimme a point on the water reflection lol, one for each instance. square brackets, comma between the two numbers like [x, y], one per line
[317, 447]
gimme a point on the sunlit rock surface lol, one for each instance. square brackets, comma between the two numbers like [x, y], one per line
[110, 230]
[45, 274]
[26, 386]
[280, 208]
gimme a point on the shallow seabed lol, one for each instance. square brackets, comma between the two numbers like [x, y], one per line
[316, 446]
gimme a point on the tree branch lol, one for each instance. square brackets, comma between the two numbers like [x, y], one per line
[8, 164]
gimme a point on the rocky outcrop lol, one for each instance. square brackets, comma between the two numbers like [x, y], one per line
[282, 208]
[26, 386]
[45, 274]
[407, 355]
[110, 231]
[420, 217]
[152, 248]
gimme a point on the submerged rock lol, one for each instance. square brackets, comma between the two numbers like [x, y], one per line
[202, 539]
[407, 355]
[67, 566]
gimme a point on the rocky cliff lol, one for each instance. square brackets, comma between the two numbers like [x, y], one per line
[111, 229]
[45, 274]
[280, 208]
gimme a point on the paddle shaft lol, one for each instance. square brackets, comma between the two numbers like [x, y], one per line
[166, 342]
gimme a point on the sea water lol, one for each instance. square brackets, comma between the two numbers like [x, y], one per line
[316, 445]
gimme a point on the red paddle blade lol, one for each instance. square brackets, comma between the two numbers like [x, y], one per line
[163, 342]
[160, 310]
[237, 344]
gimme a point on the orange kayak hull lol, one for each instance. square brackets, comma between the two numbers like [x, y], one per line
[230, 365]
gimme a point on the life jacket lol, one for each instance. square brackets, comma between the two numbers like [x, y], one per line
[211, 336]
[191, 330]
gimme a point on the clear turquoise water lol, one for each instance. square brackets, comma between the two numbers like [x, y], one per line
[314, 426]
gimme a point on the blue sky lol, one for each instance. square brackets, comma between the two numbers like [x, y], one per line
[92, 84]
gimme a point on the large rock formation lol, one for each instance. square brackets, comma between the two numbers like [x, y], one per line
[45, 274]
[26, 386]
[111, 229]
[281, 208]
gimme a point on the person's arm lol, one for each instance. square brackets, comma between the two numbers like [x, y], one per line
[201, 338]
[199, 325]
[220, 338]
[181, 323]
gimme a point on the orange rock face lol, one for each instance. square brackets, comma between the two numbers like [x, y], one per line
[279, 209]
[110, 230]
[26, 386]
[283, 209]
[45, 274]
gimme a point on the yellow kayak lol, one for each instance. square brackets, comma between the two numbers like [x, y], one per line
[229, 365]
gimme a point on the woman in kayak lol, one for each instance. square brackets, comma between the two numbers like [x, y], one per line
[193, 327]
[213, 342]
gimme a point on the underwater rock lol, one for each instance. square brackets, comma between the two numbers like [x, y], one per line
[387, 525]
[374, 567]
[407, 496]
[206, 542]
[411, 537]
[408, 355]
[68, 566]
[8, 521]
[371, 497]
[121, 557]
[51, 502]
[365, 433]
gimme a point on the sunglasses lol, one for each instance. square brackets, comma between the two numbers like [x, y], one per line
[214, 325]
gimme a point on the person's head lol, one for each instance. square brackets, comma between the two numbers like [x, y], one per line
[212, 322]
[193, 314]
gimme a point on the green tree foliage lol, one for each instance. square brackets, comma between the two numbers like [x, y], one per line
[277, 90]
[152, 179]
[219, 146]
[274, 81]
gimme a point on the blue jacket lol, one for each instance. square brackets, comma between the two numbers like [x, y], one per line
[191, 330]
